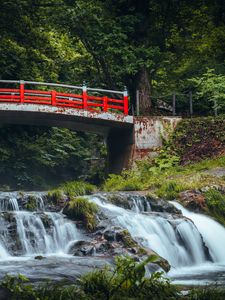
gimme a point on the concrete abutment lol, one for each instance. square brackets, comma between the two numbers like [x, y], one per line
[142, 141]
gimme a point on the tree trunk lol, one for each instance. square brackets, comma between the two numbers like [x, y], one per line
[144, 87]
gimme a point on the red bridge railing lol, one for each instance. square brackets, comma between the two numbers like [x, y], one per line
[86, 98]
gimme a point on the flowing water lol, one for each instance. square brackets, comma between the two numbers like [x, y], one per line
[193, 244]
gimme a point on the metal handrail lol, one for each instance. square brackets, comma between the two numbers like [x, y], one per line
[62, 85]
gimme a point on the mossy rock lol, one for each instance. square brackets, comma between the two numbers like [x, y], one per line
[119, 200]
[31, 203]
[80, 209]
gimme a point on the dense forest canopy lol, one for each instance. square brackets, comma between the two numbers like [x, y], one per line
[158, 47]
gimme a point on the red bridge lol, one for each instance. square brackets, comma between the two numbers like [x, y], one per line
[86, 99]
[100, 111]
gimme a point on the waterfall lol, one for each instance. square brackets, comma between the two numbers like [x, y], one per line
[190, 242]
[28, 233]
[212, 232]
[175, 238]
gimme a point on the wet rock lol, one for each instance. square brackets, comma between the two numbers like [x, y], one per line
[5, 294]
[115, 241]
[110, 235]
[39, 257]
[193, 200]
[82, 248]
[160, 205]
[138, 201]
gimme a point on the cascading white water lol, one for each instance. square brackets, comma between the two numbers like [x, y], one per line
[212, 232]
[32, 233]
[176, 239]
[25, 234]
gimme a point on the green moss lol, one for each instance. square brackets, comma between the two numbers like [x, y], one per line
[31, 203]
[83, 210]
[125, 237]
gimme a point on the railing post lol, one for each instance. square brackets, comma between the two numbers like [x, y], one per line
[105, 103]
[21, 91]
[137, 103]
[84, 95]
[191, 103]
[125, 101]
[174, 105]
[53, 94]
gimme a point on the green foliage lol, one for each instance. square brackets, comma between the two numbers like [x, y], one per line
[164, 161]
[53, 291]
[32, 157]
[77, 188]
[215, 202]
[127, 181]
[18, 288]
[170, 190]
[83, 210]
[112, 43]
[171, 181]
[31, 203]
[127, 281]
[207, 293]
[211, 86]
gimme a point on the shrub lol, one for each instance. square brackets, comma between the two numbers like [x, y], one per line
[17, 288]
[127, 281]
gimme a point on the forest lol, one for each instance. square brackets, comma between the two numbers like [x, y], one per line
[159, 48]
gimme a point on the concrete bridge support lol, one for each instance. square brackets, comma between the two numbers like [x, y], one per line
[143, 140]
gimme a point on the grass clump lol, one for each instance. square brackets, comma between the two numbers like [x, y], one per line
[170, 190]
[82, 210]
[215, 201]
[128, 181]
[71, 189]
[31, 203]
[77, 188]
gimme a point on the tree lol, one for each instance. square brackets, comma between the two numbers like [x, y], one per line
[211, 86]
